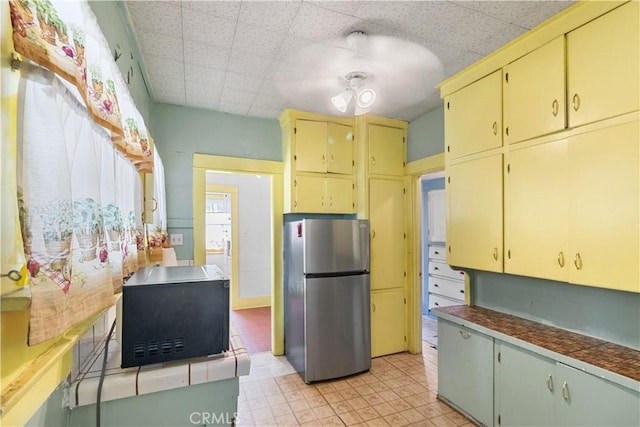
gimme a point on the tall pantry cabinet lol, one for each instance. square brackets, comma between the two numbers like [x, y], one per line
[356, 166]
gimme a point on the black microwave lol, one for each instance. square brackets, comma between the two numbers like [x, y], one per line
[173, 313]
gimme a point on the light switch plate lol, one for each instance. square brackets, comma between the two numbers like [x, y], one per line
[176, 239]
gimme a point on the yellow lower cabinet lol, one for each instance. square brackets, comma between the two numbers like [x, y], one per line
[474, 214]
[339, 195]
[604, 204]
[319, 194]
[387, 322]
[386, 217]
[536, 211]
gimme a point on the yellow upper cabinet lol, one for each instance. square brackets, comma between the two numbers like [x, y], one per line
[323, 147]
[533, 87]
[321, 194]
[536, 211]
[474, 214]
[386, 150]
[604, 203]
[339, 193]
[473, 117]
[386, 199]
[339, 149]
[603, 71]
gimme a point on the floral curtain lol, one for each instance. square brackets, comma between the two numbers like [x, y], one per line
[77, 203]
[64, 37]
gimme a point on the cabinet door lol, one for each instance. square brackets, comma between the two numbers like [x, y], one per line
[603, 66]
[339, 195]
[386, 150]
[465, 370]
[311, 146]
[534, 93]
[309, 194]
[340, 149]
[474, 214]
[536, 221]
[526, 388]
[386, 217]
[586, 400]
[387, 322]
[604, 204]
[473, 117]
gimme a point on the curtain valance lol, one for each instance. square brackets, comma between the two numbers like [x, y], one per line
[65, 37]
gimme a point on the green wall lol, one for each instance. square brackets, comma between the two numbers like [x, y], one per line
[179, 132]
[425, 136]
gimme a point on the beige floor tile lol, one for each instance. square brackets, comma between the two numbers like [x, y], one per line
[258, 403]
[323, 411]
[418, 400]
[443, 421]
[341, 385]
[364, 390]
[384, 409]
[377, 422]
[350, 418]
[367, 413]
[290, 396]
[373, 399]
[357, 403]
[389, 395]
[397, 420]
[314, 401]
[244, 419]
[287, 420]
[279, 410]
[288, 387]
[424, 423]
[299, 405]
[378, 386]
[276, 399]
[457, 418]
[417, 388]
[332, 421]
[412, 415]
[399, 405]
[261, 414]
[310, 391]
[404, 392]
[341, 407]
[333, 397]
[305, 416]
[349, 394]
[358, 381]
[325, 388]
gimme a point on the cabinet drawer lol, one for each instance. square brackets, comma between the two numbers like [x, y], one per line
[437, 301]
[447, 287]
[438, 268]
[437, 252]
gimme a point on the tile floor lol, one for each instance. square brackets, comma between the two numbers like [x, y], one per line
[254, 326]
[399, 390]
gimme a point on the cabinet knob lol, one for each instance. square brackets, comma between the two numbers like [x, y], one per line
[554, 107]
[561, 259]
[374, 307]
[465, 335]
[495, 128]
[323, 159]
[577, 261]
[576, 102]
[373, 160]
[332, 158]
[436, 285]
[495, 253]
[507, 130]
[462, 291]
[373, 233]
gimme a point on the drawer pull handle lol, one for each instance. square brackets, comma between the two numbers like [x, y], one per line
[561, 259]
[495, 128]
[436, 268]
[565, 391]
[576, 102]
[436, 285]
[462, 291]
[465, 335]
[436, 252]
[554, 107]
[577, 261]
[550, 383]
[373, 233]
[495, 253]
[374, 307]
[436, 304]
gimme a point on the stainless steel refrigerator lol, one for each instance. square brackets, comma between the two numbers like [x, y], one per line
[326, 297]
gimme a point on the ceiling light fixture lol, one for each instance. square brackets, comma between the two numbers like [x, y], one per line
[365, 96]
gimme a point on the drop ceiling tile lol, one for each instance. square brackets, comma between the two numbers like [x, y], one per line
[204, 76]
[435, 20]
[159, 17]
[207, 28]
[244, 83]
[505, 34]
[235, 96]
[202, 54]
[274, 102]
[233, 108]
[255, 40]
[318, 24]
[163, 67]
[204, 96]
[264, 112]
[249, 64]
[463, 61]
[169, 91]
[389, 13]
[160, 45]
[347, 7]
[526, 14]
[222, 9]
[271, 15]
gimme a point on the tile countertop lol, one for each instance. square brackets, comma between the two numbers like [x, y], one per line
[623, 361]
[121, 383]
